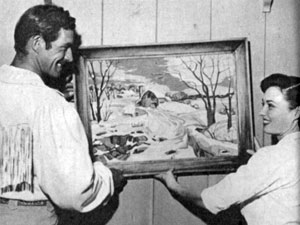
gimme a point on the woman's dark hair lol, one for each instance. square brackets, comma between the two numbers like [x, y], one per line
[289, 86]
[44, 20]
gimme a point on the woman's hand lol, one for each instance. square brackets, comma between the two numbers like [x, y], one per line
[256, 147]
[168, 179]
[187, 197]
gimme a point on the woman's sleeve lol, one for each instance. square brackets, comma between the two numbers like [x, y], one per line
[256, 178]
[62, 163]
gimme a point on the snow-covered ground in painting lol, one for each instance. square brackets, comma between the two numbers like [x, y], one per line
[174, 121]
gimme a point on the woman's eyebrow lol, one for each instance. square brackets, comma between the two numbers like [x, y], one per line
[270, 101]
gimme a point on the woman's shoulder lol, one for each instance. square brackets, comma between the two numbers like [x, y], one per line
[284, 150]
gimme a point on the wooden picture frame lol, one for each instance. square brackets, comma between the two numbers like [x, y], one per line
[149, 108]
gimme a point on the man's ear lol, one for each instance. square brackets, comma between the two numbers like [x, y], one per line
[37, 43]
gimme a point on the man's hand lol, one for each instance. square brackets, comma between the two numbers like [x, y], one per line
[119, 180]
[67, 87]
[69, 91]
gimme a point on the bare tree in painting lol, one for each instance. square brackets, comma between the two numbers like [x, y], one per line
[228, 109]
[100, 83]
[206, 82]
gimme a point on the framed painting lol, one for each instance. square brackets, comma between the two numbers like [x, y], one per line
[150, 108]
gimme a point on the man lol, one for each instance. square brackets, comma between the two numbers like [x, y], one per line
[44, 157]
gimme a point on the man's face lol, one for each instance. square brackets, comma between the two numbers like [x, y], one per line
[278, 118]
[51, 60]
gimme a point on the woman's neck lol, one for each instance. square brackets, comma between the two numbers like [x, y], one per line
[293, 129]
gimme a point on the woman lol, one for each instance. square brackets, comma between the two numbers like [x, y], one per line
[267, 188]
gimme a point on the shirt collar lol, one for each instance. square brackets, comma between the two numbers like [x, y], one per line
[289, 137]
[15, 75]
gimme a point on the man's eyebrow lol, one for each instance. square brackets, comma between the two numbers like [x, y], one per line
[67, 44]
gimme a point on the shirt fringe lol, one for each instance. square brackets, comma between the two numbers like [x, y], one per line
[16, 158]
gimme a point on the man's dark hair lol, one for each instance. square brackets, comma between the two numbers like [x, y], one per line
[44, 20]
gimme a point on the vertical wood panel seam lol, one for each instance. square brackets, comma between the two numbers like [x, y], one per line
[102, 21]
[152, 218]
[265, 44]
[264, 62]
[156, 21]
[210, 21]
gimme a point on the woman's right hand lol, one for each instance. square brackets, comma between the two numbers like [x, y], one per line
[256, 147]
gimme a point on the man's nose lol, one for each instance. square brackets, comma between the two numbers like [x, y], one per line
[69, 55]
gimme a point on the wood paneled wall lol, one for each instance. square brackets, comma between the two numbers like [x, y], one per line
[274, 38]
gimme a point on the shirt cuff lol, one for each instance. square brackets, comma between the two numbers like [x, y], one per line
[106, 190]
[209, 201]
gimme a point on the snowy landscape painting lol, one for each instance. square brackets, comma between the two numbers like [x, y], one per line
[165, 107]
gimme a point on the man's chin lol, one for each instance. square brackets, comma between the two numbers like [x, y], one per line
[55, 75]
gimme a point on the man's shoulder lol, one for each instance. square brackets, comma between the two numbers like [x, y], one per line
[54, 98]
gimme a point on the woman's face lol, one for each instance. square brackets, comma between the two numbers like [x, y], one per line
[278, 118]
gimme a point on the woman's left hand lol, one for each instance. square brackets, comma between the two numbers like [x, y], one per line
[168, 179]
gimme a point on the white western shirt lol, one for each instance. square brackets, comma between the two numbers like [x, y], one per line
[43, 144]
[268, 187]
